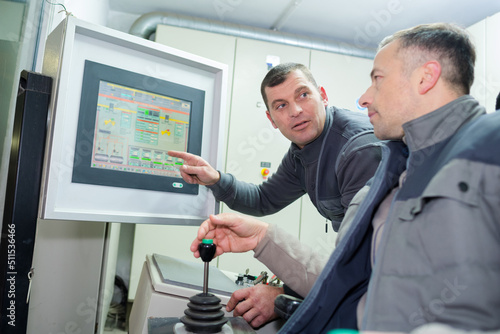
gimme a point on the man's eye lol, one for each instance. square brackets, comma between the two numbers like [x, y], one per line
[280, 106]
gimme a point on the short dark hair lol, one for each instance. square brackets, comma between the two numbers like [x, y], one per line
[279, 73]
[449, 44]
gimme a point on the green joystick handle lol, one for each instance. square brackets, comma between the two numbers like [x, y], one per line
[207, 250]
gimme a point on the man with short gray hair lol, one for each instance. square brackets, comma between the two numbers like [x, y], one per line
[428, 230]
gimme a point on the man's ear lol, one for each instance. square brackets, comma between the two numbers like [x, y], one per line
[268, 114]
[430, 74]
[322, 92]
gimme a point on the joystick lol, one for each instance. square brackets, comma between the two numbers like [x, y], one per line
[204, 314]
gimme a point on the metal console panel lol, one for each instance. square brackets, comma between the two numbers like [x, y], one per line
[160, 298]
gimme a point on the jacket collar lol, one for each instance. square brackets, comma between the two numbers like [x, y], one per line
[441, 123]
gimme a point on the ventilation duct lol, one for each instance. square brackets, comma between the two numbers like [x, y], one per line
[146, 25]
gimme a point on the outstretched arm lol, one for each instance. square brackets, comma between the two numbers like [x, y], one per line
[231, 233]
[195, 169]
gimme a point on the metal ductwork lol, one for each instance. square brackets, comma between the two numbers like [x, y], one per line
[146, 25]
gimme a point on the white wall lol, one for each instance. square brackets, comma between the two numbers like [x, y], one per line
[121, 21]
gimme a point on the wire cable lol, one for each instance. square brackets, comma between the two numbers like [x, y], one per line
[59, 4]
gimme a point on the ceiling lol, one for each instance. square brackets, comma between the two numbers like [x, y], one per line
[363, 23]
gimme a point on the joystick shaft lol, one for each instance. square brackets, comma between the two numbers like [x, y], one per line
[205, 279]
[207, 252]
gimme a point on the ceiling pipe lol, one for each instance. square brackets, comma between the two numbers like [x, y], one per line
[146, 25]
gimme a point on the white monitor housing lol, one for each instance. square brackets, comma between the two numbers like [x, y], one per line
[119, 104]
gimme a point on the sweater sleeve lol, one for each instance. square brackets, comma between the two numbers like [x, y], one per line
[278, 191]
[292, 261]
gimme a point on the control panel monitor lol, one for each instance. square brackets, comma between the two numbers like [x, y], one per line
[128, 122]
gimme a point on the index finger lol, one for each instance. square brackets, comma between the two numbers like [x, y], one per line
[180, 154]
